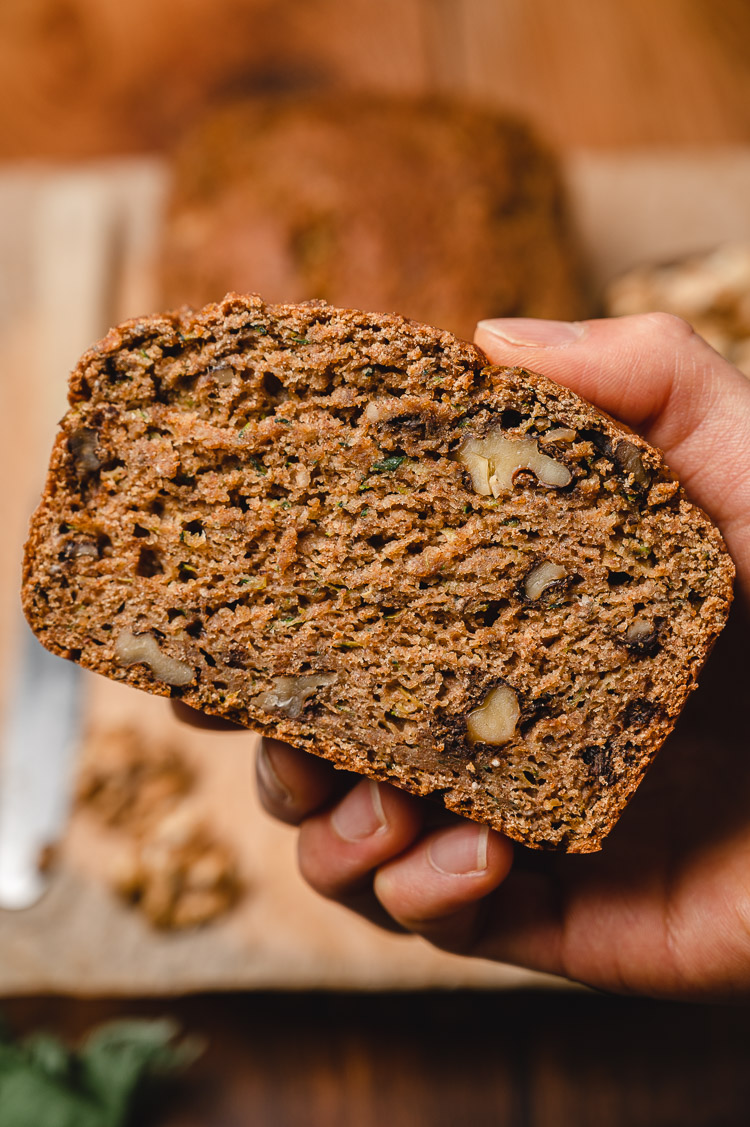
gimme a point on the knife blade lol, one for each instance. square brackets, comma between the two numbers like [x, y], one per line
[41, 734]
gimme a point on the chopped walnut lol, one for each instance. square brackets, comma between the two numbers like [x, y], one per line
[639, 628]
[83, 445]
[494, 461]
[559, 434]
[642, 636]
[77, 549]
[169, 864]
[541, 577]
[494, 722]
[376, 412]
[291, 694]
[129, 786]
[178, 874]
[137, 649]
[630, 461]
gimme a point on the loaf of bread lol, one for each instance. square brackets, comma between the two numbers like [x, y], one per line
[347, 531]
[445, 213]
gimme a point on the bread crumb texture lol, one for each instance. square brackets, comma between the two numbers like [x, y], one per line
[347, 531]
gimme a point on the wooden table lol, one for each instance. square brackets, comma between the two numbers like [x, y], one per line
[439, 1059]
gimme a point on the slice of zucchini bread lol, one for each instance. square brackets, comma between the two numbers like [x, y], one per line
[346, 531]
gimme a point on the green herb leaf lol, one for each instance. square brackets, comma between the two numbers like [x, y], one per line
[388, 465]
[45, 1084]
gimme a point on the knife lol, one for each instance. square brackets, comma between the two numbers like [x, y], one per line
[41, 734]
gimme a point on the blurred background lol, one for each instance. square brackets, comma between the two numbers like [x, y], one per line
[449, 159]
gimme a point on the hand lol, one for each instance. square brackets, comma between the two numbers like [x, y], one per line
[665, 908]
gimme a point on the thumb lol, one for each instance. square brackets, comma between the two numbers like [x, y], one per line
[654, 373]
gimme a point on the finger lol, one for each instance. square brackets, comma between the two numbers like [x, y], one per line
[523, 925]
[197, 719]
[293, 784]
[367, 905]
[340, 848]
[438, 888]
[658, 376]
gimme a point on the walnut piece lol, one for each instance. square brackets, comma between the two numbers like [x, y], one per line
[639, 629]
[290, 694]
[82, 445]
[493, 462]
[540, 578]
[494, 722]
[167, 861]
[136, 649]
[128, 785]
[76, 549]
[177, 874]
[382, 409]
[628, 458]
[642, 636]
[560, 434]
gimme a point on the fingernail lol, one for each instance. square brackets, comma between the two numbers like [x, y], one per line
[360, 814]
[269, 779]
[461, 851]
[534, 332]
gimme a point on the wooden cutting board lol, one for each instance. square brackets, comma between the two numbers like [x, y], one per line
[77, 252]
